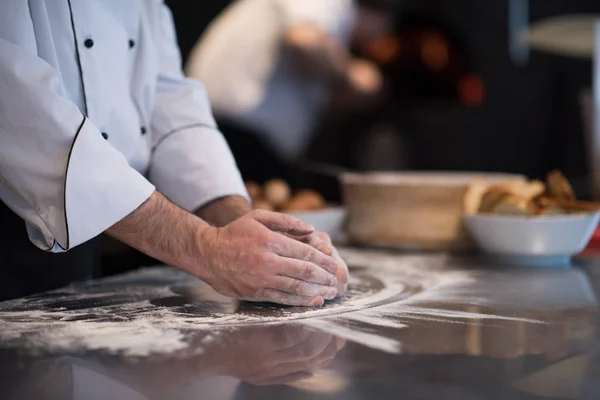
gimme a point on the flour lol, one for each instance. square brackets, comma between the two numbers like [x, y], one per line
[370, 340]
[376, 319]
[131, 340]
[417, 312]
[148, 316]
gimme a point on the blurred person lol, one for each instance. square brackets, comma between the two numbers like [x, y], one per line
[272, 67]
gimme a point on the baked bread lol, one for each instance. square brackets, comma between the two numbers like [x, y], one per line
[474, 195]
[513, 205]
[559, 187]
[492, 197]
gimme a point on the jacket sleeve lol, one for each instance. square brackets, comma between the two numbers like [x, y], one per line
[191, 163]
[56, 170]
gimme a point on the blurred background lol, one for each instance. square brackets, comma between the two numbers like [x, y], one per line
[431, 85]
[460, 92]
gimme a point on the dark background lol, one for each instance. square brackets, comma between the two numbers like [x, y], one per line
[530, 121]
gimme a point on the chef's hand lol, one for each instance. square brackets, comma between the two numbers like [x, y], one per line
[322, 242]
[254, 259]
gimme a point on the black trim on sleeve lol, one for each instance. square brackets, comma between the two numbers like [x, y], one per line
[49, 249]
[78, 56]
[182, 128]
[65, 185]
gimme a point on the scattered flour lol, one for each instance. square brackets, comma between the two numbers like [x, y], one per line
[139, 328]
[374, 318]
[367, 339]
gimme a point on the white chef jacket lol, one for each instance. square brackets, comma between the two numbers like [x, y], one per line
[95, 113]
[251, 84]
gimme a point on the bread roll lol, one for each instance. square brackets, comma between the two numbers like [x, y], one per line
[491, 198]
[306, 200]
[513, 205]
[277, 193]
[474, 196]
[559, 187]
[254, 190]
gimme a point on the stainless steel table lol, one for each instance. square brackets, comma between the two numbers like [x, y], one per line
[414, 326]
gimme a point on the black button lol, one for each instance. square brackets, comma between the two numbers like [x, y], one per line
[143, 130]
[89, 43]
[131, 43]
[105, 135]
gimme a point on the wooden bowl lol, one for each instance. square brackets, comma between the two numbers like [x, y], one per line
[413, 211]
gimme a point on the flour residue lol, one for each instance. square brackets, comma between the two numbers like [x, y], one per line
[403, 285]
[367, 339]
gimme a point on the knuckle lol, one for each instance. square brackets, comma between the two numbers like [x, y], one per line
[298, 288]
[309, 271]
[290, 286]
[254, 260]
[264, 240]
[266, 262]
[308, 253]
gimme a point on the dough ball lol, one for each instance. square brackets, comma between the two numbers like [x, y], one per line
[277, 193]
[262, 205]
[254, 190]
[306, 200]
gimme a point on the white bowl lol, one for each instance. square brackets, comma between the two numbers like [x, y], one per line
[533, 241]
[329, 220]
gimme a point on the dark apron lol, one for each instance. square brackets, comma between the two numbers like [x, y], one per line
[24, 269]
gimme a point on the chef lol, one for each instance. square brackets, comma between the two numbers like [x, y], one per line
[272, 67]
[101, 132]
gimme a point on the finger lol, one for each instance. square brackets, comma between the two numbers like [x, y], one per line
[326, 357]
[311, 347]
[290, 248]
[314, 345]
[304, 271]
[340, 343]
[290, 338]
[283, 223]
[301, 288]
[314, 241]
[287, 299]
[318, 242]
[323, 236]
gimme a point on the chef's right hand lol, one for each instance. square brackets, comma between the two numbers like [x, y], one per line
[251, 259]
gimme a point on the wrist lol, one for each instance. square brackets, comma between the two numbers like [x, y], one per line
[198, 263]
[223, 211]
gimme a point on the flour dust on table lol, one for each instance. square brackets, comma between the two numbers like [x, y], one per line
[152, 311]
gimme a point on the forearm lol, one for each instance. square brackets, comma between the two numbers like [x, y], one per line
[163, 231]
[225, 210]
